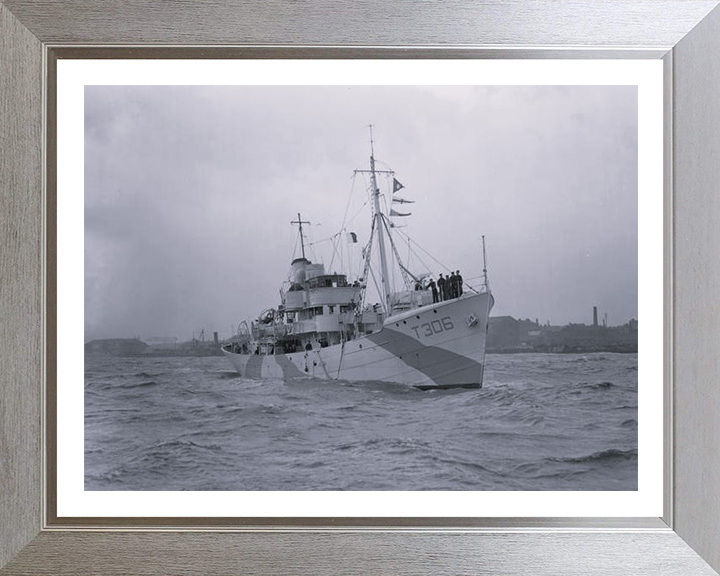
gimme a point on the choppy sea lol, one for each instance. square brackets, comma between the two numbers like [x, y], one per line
[540, 422]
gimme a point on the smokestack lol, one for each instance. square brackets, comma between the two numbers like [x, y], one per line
[215, 338]
[595, 316]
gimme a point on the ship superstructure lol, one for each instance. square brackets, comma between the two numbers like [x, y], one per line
[323, 327]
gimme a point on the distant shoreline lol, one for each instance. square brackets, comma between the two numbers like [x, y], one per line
[573, 350]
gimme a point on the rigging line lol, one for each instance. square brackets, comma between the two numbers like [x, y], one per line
[356, 213]
[385, 164]
[368, 188]
[465, 283]
[445, 267]
[322, 240]
[422, 262]
[342, 354]
[296, 245]
[347, 206]
[335, 244]
[410, 255]
[366, 264]
[310, 244]
[412, 252]
[322, 363]
[372, 274]
[368, 250]
[369, 197]
[345, 220]
[403, 270]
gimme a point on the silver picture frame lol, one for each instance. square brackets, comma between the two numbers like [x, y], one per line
[685, 34]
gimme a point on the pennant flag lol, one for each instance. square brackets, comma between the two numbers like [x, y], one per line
[396, 185]
[393, 213]
[403, 201]
[352, 237]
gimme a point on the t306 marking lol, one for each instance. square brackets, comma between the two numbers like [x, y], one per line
[434, 327]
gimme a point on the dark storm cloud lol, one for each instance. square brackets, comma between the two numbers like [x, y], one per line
[189, 192]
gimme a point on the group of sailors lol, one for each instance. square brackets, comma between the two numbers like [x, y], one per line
[446, 288]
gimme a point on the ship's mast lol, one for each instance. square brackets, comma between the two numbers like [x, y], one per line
[485, 276]
[300, 222]
[379, 227]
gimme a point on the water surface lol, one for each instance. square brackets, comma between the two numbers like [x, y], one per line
[541, 422]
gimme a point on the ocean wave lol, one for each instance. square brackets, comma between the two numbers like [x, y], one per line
[524, 415]
[624, 407]
[396, 446]
[589, 358]
[271, 409]
[603, 385]
[464, 464]
[181, 443]
[602, 456]
[527, 469]
[232, 409]
[140, 384]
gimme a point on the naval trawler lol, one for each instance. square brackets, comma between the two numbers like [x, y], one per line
[323, 328]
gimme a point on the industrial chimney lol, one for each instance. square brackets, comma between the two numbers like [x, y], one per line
[595, 316]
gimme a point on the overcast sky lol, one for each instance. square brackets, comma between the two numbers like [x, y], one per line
[189, 194]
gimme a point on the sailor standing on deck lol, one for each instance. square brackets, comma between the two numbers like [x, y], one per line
[453, 285]
[441, 285]
[434, 290]
[459, 282]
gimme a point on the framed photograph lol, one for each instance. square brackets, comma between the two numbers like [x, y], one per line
[359, 308]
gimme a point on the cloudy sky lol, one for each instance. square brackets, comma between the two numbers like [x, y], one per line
[189, 194]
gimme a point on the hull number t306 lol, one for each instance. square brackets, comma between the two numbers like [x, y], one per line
[434, 327]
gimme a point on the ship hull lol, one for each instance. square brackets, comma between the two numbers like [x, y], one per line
[437, 346]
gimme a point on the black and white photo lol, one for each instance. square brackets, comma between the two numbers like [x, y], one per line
[361, 288]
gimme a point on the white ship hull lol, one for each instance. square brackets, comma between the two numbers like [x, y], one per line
[441, 345]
